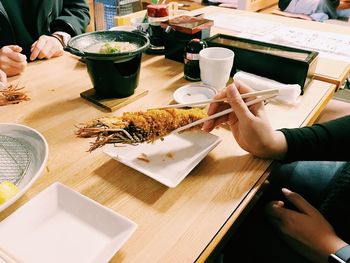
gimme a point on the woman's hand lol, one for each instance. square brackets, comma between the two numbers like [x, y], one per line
[306, 230]
[46, 47]
[12, 62]
[3, 79]
[249, 126]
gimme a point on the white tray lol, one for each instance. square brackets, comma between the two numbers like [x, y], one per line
[60, 225]
[169, 160]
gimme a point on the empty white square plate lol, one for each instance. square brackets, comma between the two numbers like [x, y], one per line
[168, 160]
[61, 225]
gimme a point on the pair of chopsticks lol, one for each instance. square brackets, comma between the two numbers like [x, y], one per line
[6, 257]
[273, 92]
[264, 95]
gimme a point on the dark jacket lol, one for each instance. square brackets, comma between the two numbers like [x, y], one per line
[320, 142]
[282, 4]
[328, 141]
[71, 16]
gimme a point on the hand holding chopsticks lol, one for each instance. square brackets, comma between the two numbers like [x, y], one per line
[265, 94]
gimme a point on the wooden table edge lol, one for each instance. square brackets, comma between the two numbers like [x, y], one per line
[247, 203]
[317, 110]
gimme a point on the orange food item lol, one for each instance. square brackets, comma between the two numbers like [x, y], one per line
[138, 127]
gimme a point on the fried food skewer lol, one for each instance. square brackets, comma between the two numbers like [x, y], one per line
[138, 127]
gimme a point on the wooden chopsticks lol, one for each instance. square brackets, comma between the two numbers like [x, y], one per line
[6, 257]
[272, 93]
[244, 95]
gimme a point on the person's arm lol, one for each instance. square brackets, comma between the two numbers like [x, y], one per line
[320, 141]
[73, 18]
[252, 131]
[304, 229]
[3, 79]
[250, 126]
[335, 3]
[46, 47]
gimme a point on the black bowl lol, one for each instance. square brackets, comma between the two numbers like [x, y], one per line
[113, 75]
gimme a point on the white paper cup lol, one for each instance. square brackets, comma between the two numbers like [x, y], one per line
[215, 65]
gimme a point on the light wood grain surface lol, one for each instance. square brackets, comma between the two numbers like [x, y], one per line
[181, 224]
[332, 71]
[175, 225]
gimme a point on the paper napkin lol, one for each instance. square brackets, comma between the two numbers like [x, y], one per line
[288, 93]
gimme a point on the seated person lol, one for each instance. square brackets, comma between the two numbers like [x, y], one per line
[34, 29]
[318, 10]
[313, 165]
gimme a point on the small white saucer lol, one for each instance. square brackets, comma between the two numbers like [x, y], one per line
[194, 92]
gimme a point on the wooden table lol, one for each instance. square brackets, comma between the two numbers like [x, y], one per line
[332, 71]
[181, 224]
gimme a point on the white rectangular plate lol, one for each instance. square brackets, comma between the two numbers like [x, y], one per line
[61, 225]
[171, 159]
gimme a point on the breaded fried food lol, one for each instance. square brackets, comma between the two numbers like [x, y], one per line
[138, 127]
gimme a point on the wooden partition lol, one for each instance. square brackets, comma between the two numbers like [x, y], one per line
[255, 5]
[91, 26]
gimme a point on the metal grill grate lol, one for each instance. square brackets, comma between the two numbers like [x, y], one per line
[14, 159]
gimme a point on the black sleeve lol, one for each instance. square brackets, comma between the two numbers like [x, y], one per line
[73, 18]
[282, 4]
[335, 3]
[329, 141]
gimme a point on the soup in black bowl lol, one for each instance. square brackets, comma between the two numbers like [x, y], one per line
[113, 60]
